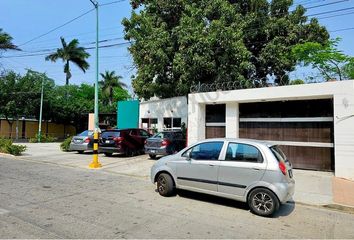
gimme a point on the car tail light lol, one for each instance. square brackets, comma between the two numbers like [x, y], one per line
[118, 139]
[165, 143]
[145, 142]
[87, 140]
[282, 167]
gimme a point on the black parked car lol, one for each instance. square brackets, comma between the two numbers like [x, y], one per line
[165, 143]
[124, 141]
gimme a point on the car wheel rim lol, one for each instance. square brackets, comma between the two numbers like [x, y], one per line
[262, 202]
[161, 184]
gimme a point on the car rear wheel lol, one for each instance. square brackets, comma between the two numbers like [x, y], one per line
[108, 154]
[165, 185]
[152, 156]
[80, 152]
[263, 202]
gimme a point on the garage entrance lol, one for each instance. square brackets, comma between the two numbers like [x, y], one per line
[303, 129]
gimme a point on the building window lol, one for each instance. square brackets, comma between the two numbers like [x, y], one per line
[172, 123]
[176, 122]
[167, 123]
[149, 123]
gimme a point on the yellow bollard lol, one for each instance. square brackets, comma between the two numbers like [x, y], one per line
[95, 163]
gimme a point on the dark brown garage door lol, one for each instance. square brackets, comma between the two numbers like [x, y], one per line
[304, 130]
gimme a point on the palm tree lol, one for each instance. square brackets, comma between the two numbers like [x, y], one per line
[5, 42]
[109, 81]
[70, 53]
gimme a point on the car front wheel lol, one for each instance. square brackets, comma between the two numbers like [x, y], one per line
[108, 154]
[263, 202]
[165, 185]
[152, 156]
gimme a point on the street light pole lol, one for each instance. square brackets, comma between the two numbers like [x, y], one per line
[95, 163]
[40, 114]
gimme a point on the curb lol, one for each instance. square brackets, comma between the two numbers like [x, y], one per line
[7, 155]
[340, 208]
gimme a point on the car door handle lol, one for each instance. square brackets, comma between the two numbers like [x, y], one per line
[256, 169]
[211, 165]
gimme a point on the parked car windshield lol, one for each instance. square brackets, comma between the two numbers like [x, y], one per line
[107, 134]
[86, 133]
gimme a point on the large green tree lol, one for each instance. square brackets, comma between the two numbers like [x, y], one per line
[20, 95]
[327, 59]
[70, 53]
[177, 43]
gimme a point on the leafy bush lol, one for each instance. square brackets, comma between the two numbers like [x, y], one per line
[16, 149]
[64, 146]
[44, 139]
[7, 146]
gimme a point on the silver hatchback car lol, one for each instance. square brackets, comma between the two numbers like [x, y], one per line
[245, 170]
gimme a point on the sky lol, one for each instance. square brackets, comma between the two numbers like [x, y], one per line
[25, 20]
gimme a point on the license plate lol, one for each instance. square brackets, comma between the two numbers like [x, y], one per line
[77, 141]
[152, 151]
[107, 141]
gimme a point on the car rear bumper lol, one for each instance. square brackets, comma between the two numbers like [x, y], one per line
[285, 191]
[79, 147]
[156, 151]
[111, 149]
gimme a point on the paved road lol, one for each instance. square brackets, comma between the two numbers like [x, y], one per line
[44, 200]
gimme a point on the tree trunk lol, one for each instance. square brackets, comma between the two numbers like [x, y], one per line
[10, 126]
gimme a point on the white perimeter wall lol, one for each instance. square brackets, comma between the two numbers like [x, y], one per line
[342, 94]
[163, 108]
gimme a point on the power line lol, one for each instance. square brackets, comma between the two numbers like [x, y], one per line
[333, 11]
[86, 48]
[326, 4]
[54, 29]
[343, 29]
[336, 15]
[109, 3]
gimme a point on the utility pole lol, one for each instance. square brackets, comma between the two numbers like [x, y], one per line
[40, 114]
[95, 163]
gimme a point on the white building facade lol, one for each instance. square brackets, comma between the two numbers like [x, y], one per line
[315, 121]
[163, 114]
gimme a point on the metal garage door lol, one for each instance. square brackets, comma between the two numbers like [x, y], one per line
[303, 129]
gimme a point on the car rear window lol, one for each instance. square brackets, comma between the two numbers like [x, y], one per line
[86, 133]
[107, 134]
[278, 153]
[162, 135]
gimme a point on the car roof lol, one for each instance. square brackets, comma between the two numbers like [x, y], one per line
[123, 129]
[242, 140]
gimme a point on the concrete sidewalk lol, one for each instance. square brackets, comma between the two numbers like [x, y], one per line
[312, 187]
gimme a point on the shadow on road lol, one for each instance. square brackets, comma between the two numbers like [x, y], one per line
[284, 210]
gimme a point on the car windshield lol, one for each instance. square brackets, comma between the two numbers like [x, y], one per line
[86, 133]
[108, 134]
